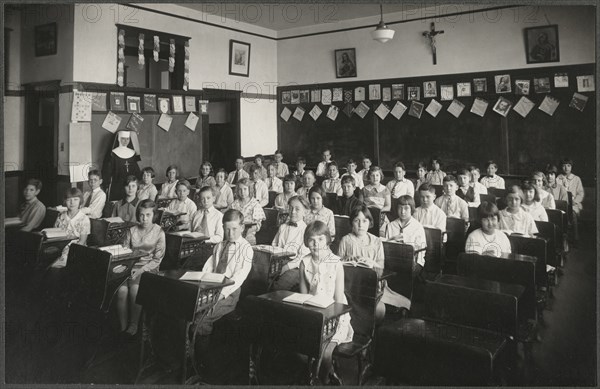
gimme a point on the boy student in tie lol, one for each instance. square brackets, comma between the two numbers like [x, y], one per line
[183, 204]
[289, 187]
[238, 173]
[308, 181]
[347, 201]
[223, 192]
[32, 211]
[290, 236]
[259, 191]
[573, 184]
[400, 186]
[207, 219]
[299, 172]
[366, 170]
[465, 190]
[351, 167]
[147, 190]
[233, 258]
[435, 176]
[492, 180]
[95, 198]
[258, 162]
[334, 183]
[452, 205]
[322, 166]
[125, 209]
[281, 169]
[429, 214]
[274, 184]
[478, 186]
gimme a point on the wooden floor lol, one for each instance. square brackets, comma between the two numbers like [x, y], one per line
[45, 345]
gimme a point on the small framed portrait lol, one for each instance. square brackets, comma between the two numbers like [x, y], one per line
[133, 104]
[374, 92]
[397, 91]
[480, 85]
[414, 93]
[304, 96]
[502, 106]
[522, 87]
[463, 89]
[164, 104]
[430, 89]
[503, 83]
[239, 58]
[45, 40]
[345, 63]
[541, 85]
[295, 96]
[541, 44]
[178, 106]
[286, 97]
[446, 92]
[585, 83]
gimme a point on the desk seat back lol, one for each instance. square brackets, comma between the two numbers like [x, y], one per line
[466, 305]
[498, 193]
[87, 271]
[399, 258]
[98, 231]
[269, 227]
[509, 269]
[23, 249]
[331, 201]
[376, 213]
[534, 247]
[559, 219]
[342, 228]
[362, 292]
[490, 198]
[439, 190]
[434, 254]
[549, 232]
[49, 219]
[272, 195]
[455, 229]
[393, 213]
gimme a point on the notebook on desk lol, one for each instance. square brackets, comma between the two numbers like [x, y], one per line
[308, 299]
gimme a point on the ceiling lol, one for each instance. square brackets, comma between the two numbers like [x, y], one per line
[283, 16]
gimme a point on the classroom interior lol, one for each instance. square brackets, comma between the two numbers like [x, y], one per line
[312, 78]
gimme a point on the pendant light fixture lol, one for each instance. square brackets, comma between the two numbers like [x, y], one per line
[382, 33]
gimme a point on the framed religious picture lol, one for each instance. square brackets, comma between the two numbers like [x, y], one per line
[503, 84]
[45, 40]
[430, 89]
[414, 93]
[541, 44]
[480, 84]
[239, 58]
[345, 63]
[164, 103]
[463, 89]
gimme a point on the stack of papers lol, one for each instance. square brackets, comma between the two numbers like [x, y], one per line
[308, 299]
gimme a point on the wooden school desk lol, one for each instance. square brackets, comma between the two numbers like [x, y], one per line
[180, 247]
[266, 266]
[105, 233]
[299, 328]
[172, 311]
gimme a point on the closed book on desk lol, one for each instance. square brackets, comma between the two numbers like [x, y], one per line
[189, 234]
[52, 233]
[309, 299]
[203, 276]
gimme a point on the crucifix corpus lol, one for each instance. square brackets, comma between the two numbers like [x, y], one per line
[431, 36]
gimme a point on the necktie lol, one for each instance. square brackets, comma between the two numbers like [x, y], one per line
[394, 188]
[204, 223]
[235, 177]
[270, 183]
[222, 265]
[292, 224]
[89, 200]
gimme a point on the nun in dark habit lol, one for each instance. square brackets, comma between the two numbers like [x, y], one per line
[121, 161]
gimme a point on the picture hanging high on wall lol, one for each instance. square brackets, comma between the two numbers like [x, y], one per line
[239, 58]
[541, 44]
[345, 63]
[45, 39]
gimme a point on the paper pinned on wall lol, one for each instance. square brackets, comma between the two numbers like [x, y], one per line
[81, 110]
[299, 113]
[386, 93]
[549, 105]
[361, 110]
[135, 122]
[524, 106]
[111, 122]
[192, 121]
[382, 111]
[285, 114]
[359, 93]
[578, 101]
[326, 96]
[434, 108]
[80, 151]
[333, 112]
[479, 106]
[398, 110]
[165, 121]
[98, 102]
[338, 94]
[456, 108]
[315, 112]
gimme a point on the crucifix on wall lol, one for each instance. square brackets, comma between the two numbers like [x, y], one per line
[431, 36]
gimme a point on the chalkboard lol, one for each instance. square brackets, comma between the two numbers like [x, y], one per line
[519, 145]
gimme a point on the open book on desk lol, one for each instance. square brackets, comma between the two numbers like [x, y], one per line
[308, 299]
[117, 250]
[55, 233]
[203, 276]
[272, 249]
[366, 265]
[115, 219]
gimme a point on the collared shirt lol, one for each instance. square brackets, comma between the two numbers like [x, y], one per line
[96, 204]
[431, 217]
[291, 238]
[358, 179]
[401, 187]
[537, 210]
[420, 182]
[260, 192]
[322, 168]
[152, 243]
[558, 191]
[32, 214]
[147, 192]
[435, 177]
[364, 173]
[187, 206]
[281, 169]
[214, 224]
[573, 184]
[241, 174]
[325, 215]
[546, 199]
[333, 185]
[471, 196]
[224, 196]
[520, 222]
[453, 206]
[480, 243]
[479, 188]
[375, 196]
[303, 191]
[126, 209]
[371, 251]
[274, 184]
[167, 190]
[281, 201]
[493, 182]
[239, 263]
[263, 172]
[413, 233]
[252, 211]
